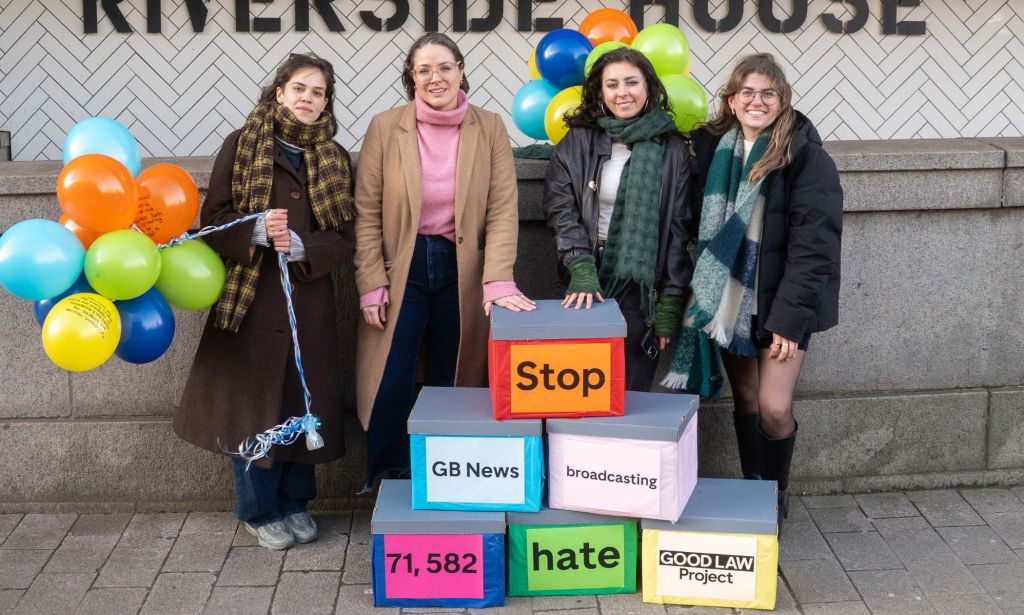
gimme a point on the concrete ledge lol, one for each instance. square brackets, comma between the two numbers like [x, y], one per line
[915, 155]
[1013, 180]
[1006, 429]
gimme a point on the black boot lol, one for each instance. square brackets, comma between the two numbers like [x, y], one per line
[776, 456]
[748, 439]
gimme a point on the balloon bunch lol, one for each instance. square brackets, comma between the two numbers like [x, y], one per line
[104, 277]
[564, 57]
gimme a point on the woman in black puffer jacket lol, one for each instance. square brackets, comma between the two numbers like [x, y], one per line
[617, 197]
[759, 295]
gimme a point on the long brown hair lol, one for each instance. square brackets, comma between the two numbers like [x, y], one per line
[294, 63]
[432, 38]
[779, 152]
[592, 105]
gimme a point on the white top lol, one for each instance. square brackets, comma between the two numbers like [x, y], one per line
[611, 172]
[747, 146]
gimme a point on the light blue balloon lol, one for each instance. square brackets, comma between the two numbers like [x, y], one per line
[100, 135]
[529, 105]
[39, 259]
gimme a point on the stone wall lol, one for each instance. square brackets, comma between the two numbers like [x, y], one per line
[921, 385]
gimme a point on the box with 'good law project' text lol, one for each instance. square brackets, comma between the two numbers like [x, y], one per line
[723, 551]
[557, 362]
[434, 558]
[643, 464]
[463, 459]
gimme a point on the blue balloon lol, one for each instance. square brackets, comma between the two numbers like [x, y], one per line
[100, 135]
[147, 327]
[561, 56]
[529, 105]
[42, 307]
[39, 259]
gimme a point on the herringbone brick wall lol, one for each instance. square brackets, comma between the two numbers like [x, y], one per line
[181, 92]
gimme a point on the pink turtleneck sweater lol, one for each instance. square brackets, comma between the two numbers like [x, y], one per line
[438, 136]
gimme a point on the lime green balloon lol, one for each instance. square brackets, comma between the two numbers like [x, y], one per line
[122, 264]
[192, 275]
[665, 46]
[688, 101]
[599, 51]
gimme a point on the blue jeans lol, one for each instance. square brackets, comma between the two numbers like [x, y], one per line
[428, 320]
[264, 495]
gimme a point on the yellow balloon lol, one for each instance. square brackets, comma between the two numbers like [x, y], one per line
[81, 331]
[534, 73]
[563, 102]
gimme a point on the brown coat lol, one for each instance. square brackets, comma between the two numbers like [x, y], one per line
[389, 186]
[244, 383]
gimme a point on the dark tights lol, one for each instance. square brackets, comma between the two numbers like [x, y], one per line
[764, 385]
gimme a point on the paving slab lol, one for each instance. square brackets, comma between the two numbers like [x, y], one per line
[134, 566]
[1009, 526]
[802, 540]
[54, 593]
[179, 593]
[18, 567]
[558, 603]
[862, 551]
[358, 600]
[964, 604]
[327, 553]
[977, 545]
[850, 607]
[1004, 582]
[828, 501]
[572, 612]
[785, 603]
[100, 525]
[944, 575]
[627, 604]
[305, 593]
[361, 525]
[797, 511]
[143, 528]
[198, 553]
[514, 605]
[217, 523]
[890, 592]
[945, 508]
[251, 566]
[841, 519]
[36, 531]
[886, 505]
[7, 524]
[992, 500]
[818, 580]
[239, 601]
[912, 539]
[85, 553]
[357, 556]
[8, 599]
[112, 601]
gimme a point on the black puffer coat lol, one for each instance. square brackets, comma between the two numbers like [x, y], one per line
[798, 268]
[572, 208]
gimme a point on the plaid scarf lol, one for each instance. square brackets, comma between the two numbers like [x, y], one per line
[720, 306]
[329, 185]
[631, 251]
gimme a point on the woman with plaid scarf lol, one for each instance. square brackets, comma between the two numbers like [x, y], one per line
[244, 379]
[767, 272]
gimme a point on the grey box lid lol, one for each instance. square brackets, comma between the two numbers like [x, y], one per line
[464, 411]
[554, 516]
[550, 321]
[649, 416]
[393, 514]
[726, 505]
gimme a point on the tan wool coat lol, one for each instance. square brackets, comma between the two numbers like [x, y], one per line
[389, 187]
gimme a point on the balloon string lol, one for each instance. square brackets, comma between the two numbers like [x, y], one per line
[286, 433]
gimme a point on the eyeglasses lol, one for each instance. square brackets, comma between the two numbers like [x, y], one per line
[445, 71]
[747, 96]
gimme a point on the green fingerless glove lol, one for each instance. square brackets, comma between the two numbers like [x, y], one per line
[667, 315]
[583, 276]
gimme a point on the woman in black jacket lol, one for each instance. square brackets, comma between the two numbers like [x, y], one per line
[616, 195]
[759, 295]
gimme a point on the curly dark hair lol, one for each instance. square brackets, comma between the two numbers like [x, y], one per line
[292, 64]
[431, 38]
[592, 106]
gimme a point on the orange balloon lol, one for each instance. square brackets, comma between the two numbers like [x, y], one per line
[84, 235]
[168, 202]
[605, 25]
[97, 192]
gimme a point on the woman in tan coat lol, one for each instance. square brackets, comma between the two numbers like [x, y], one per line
[436, 237]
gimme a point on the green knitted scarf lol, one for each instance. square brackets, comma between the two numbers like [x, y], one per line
[631, 251]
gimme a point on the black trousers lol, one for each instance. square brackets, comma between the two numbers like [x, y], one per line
[640, 368]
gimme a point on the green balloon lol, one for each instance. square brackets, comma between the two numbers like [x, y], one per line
[122, 264]
[599, 51]
[192, 275]
[665, 46]
[688, 100]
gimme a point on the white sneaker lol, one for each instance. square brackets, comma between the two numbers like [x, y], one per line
[302, 527]
[272, 535]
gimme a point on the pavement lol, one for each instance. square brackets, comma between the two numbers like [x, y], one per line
[952, 551]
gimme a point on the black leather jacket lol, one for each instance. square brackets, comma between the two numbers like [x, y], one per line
[572, 208]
